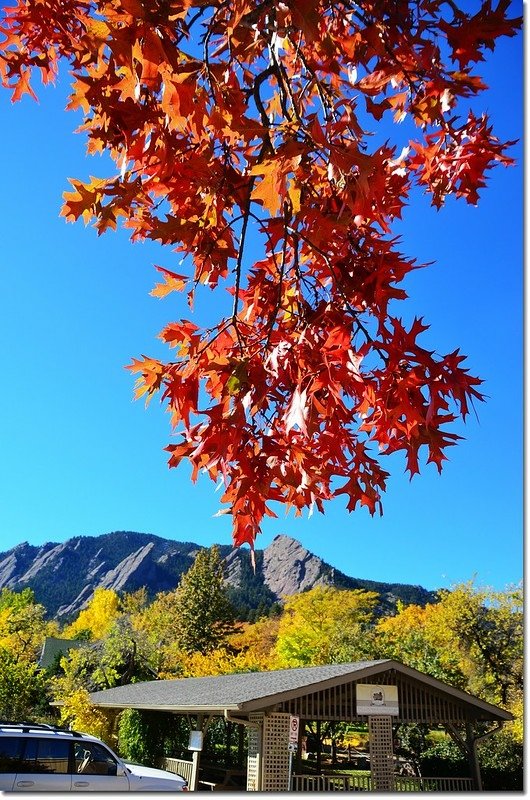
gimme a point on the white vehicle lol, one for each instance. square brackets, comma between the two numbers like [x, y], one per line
[45, 758]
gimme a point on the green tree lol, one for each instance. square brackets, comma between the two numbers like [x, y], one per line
[418, 636]
[143, 736]
[204, 615]
[501, 763]
[500, 758]
[23, 689]
[488, 625]
[123, 656]
[471, 638]
[325, 625]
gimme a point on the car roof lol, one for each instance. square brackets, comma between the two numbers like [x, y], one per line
[41, 729]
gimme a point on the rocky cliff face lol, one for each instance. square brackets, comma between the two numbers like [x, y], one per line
[288, 568]
[64, 576]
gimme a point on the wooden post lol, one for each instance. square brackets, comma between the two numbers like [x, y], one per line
[194, 783]
[228, 751]
[319, 747]
[332, 728]
[241, 747]
[196, 758]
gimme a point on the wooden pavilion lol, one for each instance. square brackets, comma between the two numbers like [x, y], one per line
[267, 702]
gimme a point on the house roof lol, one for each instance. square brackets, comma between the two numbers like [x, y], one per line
[53, 647]
[245, 692]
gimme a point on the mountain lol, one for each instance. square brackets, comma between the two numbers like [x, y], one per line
[64, 576]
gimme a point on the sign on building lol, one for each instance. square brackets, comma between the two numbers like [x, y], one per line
[195, 742]
[374, 699]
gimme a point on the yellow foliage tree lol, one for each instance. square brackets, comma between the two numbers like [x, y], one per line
[325, 625]
[156, 619]
[471, 638]
[198, 665]
[78, 712]
[251, 649]
[416, 636]
[23, 626]
[97, 618]
[132, 603]
[255, 644]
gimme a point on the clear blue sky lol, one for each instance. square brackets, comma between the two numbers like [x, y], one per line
[80, 457]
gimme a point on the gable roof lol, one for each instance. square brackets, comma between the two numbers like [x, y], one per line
[245, 692]
[53, 647]
[231, 692]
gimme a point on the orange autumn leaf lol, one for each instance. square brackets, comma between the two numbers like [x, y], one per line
[172, 283]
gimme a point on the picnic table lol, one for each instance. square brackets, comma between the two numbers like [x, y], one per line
[218, 779]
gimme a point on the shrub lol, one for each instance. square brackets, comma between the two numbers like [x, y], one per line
[146, 736]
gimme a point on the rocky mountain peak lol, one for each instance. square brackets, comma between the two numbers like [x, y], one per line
[289, 568]
[64, 576]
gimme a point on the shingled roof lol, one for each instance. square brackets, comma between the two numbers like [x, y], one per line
[221, 692]
[244, 692]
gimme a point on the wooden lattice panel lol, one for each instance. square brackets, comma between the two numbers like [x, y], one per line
[381, 753]
[275, 747]
[255, 736]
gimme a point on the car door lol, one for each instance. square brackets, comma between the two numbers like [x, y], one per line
[10, 753]
[44, 766]
[97, 770]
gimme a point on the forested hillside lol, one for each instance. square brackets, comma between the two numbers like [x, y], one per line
[64, 576]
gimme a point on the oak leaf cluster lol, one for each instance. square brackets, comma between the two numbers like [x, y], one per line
[260, 142]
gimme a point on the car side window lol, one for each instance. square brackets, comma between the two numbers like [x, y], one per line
[93, 759]
[10, 752]
[46, 756]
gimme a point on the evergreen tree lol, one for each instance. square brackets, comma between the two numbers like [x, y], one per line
[204, 615]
